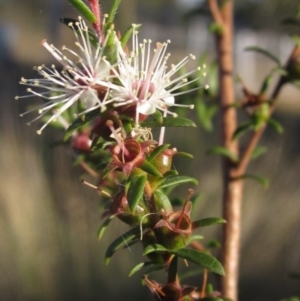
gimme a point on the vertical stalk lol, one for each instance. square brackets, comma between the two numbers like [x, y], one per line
[232, 187]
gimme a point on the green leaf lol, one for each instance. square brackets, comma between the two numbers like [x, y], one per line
[103, 227]
[120, 242]
[276, 125]
[214, 244]
[128, 33]
[150, 168]
[154, 268]
[184, 154]
[205, 114]
[158, 150]
[154, 248]
[266, 83]
[262, 180]
[242, 129]
[205, 222]
[195, 238]
[139, 266]
[162, 201]
[264, 52]
[168, 122]
[176, 180]
[172, 270]
[113, 11]
[202, 259]
[258, 151]
[84, 10]
[135, 191]
[223, 151]
[79, 122]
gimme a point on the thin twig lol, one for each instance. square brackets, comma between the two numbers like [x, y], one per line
[215, 11]
[204, 283]
[88, 169]
[246, 156]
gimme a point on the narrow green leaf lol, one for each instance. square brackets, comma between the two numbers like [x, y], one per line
[223, 151]
[242, 129]
[262, 180]
[195, 238]
[104, 226]
[205, 114]
[154, 268]
[157, 151]
[154, 248]
[113, 11]
[205, 222]
[204, 260]
[276, 125]
[79, 122]
[135, 191]
[264, 52]
[172, 270]
[84, 10]
[139, 266]
[214, 244]
[258, 151]
[266, 83]
[168, 122]
[150, 168]
[120, 242]
[162, 202]
[184, 154]
[176, 180]
[128, 33]
[170, 173]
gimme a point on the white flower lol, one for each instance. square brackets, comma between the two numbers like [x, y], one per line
[145, 81]
[80, 80]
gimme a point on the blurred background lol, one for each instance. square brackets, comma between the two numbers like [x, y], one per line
[48, 220]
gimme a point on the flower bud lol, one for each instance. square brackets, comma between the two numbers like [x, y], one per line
[174, 230]
[163, 161]
[169, 291]
[82, 143]
[128, 156]
[121, 208]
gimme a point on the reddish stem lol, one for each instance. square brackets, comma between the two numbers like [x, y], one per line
[191, 191]
[95, 7]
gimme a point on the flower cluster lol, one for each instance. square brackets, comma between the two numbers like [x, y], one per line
[137, 81]
[112, 91]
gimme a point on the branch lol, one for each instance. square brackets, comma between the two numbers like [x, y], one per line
[215, 11]
[246, 157]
